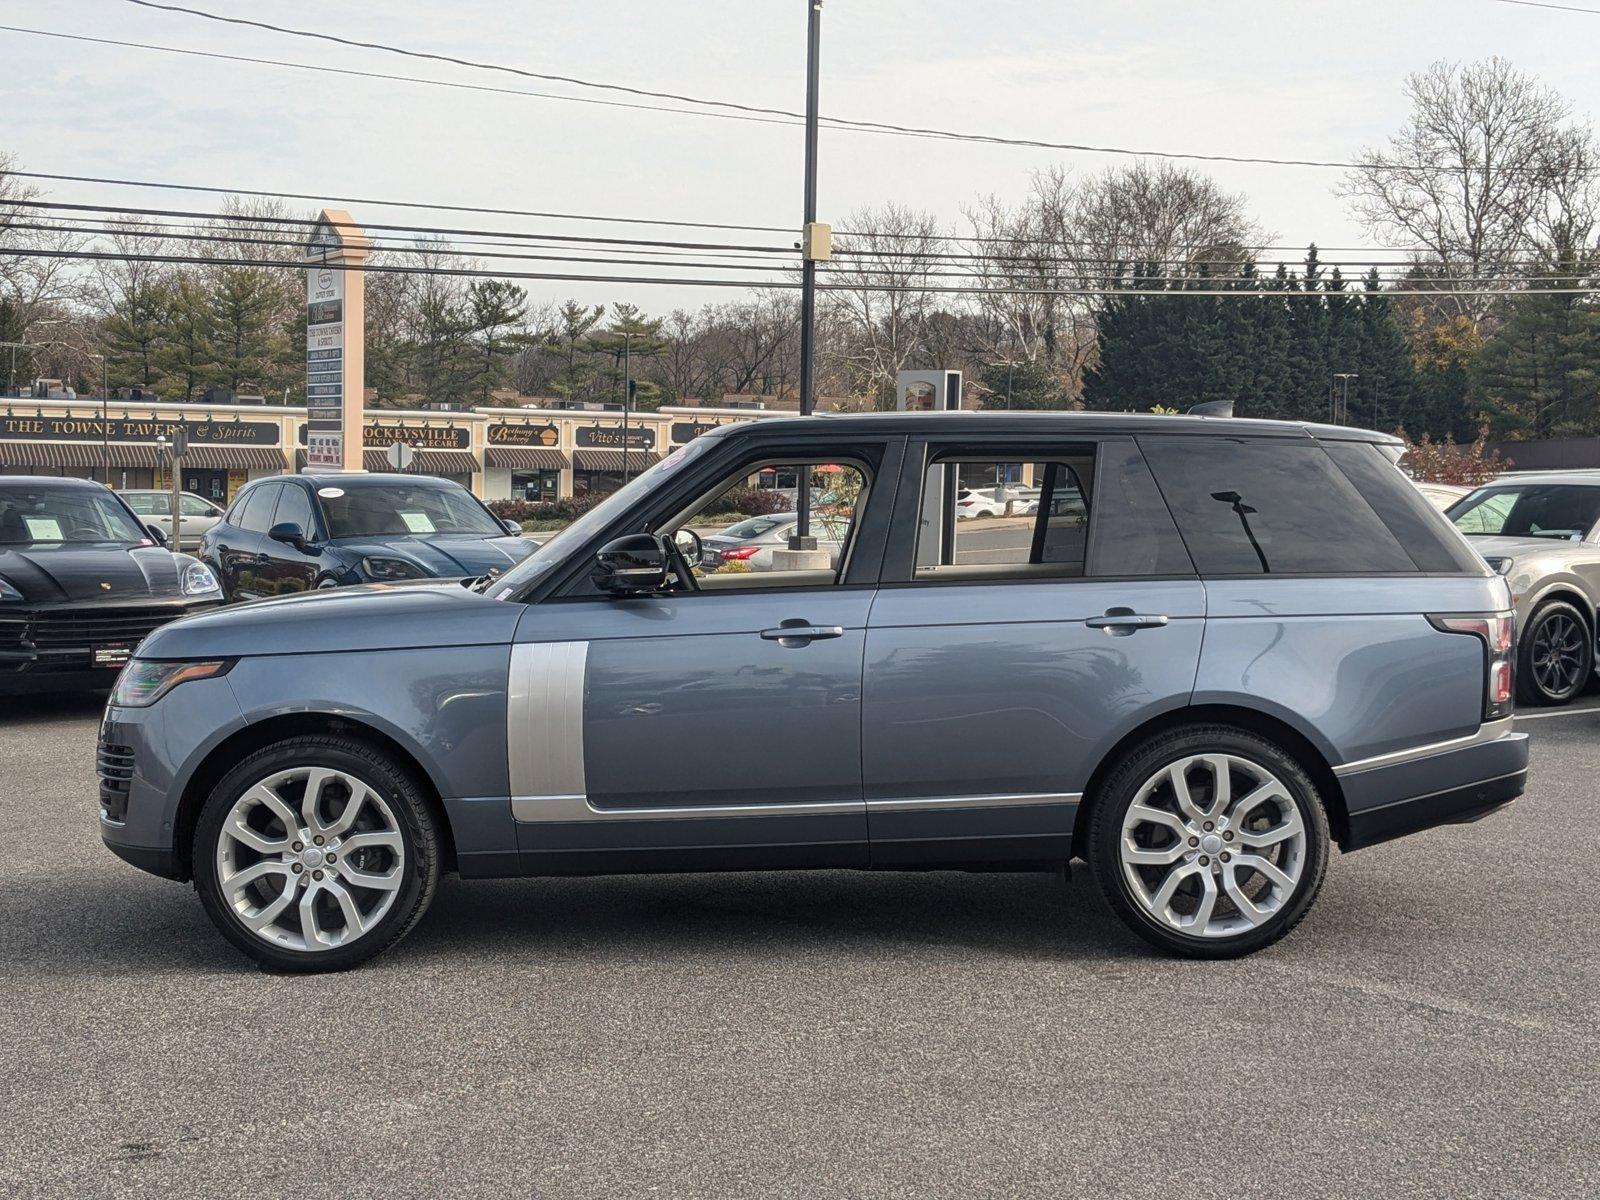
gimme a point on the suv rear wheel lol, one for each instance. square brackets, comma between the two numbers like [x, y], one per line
[1555, 656]
[1209, 842]
[316, 854]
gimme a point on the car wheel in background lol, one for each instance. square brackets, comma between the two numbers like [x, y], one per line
[1209, 842]
[1555, 656]
[315, 854]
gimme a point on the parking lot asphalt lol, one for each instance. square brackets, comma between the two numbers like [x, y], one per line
[1430, 1030]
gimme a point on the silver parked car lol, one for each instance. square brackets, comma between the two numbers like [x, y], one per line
[752, 541]
[155, 508]
[1541, 530]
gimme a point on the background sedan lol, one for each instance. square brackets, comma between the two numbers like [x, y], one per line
[752, 541]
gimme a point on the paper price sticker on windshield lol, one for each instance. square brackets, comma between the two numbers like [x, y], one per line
[417, 522]
[43, 529]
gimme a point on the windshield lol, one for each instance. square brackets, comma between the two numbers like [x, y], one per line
[33, 516]
[756, 526]
[1546, 510]
[384, 510]
[561, 543]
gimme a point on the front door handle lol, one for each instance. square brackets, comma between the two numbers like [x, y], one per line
[796, 632]
[1119, 622]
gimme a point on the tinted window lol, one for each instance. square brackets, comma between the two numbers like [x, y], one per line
[1409, 515]
[1547, 510]
[295, 506]
[255, 513]
[1133, 533]
[1255, 506]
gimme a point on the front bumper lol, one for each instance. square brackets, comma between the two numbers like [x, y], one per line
[52, 648]
[1448, 785]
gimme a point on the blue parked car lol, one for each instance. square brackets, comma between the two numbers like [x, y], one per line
[304, 532]
[1218, 649]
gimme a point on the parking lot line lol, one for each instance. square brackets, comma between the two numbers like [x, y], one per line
[1563, 712]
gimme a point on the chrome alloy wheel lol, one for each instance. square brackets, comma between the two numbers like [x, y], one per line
[1213, 845]
[310, 858]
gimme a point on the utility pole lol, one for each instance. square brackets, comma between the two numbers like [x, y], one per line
[815, 246]
[627, 395]
[105, 424]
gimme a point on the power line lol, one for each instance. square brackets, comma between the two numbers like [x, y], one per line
[466, 208]
[1593, 12]
[310, 223]
[1088, 293]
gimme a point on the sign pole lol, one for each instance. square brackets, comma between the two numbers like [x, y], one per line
[335, 343]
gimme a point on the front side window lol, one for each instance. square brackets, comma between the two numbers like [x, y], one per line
[45, 516]
[255, 510]
[294, 508]
[1563, 511]
[749, 552]
[1256, 506]
[379, 510]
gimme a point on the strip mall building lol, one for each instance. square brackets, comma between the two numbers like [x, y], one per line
[514, 453]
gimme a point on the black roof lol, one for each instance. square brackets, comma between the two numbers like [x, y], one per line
[1001, 421]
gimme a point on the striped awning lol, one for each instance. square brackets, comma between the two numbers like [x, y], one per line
[614, 460]
[234, 458]
[525, 458]
[76, 454]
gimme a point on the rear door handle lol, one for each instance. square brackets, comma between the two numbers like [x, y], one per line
[1119, 622]
[798, 633]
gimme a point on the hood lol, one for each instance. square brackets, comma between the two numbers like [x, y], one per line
[442, 556]
[104, 571]
[1518, 547]
[377, 616]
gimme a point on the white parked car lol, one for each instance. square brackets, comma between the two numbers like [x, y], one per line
[155, 508]
[992, 501]
[1442, 495]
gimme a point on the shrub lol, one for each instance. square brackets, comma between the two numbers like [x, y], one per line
[753, 502]
[544, 510]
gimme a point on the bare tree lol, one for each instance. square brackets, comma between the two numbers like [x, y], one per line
[882, 276]
[1172, 217]
[1486, 162]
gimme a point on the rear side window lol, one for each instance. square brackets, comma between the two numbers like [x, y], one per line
[1269, 506]
[1133, 534]
[1415, 523]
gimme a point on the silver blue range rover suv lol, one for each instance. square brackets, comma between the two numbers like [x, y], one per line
[1211, 651]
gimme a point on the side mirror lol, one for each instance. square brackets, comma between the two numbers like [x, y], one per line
[289, 533]
[156, 534]
[632, 565]
[511, 527]
[687, 543]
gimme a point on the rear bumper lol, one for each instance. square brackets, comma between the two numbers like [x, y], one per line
[1450, 786]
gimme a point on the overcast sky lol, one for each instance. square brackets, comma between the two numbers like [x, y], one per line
[1285, 78]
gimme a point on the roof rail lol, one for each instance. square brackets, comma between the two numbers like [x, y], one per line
[1212, 408]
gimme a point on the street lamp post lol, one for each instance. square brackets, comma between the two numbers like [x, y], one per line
[627, 395]
[1341, 411]
[105, 423]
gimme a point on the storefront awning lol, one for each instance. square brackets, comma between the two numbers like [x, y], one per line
[76, 454]
[614, 460]
[525, 458]
[234, 458]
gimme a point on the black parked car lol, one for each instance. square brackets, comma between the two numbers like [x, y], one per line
[302, 532]
[81, 583]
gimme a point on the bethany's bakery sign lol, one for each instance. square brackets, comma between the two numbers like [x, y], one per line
[137, 429]
[511, 434]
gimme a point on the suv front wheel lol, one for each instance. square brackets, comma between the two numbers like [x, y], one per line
[315, 854]
[1209, 842]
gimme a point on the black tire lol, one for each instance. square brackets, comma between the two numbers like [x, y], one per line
[1559, 645]
[419, 867]
[1105, 840]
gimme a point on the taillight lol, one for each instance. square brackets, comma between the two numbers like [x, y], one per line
[1496, 630]
[740, 554]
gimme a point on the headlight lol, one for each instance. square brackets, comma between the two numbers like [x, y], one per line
[143, 682]
[385, 569]
[198, 580]
[8, 592]
[1501, 566]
